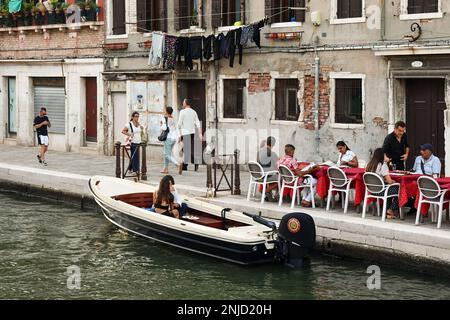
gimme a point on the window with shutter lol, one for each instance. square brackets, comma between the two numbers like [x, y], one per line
[349, 9]
[186, 13]
[118, 17]
[283, 10]
[423, 6]
[286, 100]
[348, 101]
[233, 93]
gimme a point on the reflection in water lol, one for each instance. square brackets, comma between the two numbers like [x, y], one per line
[39, 241]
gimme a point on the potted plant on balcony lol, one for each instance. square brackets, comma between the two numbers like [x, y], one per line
[81, 4]
[59, 12]
[3, 16]
[64, 7]
[91, 10]
[26, 8]
[37, 16]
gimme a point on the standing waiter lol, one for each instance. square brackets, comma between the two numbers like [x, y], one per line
[396, 146]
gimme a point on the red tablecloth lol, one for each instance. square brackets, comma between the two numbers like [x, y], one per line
[356, 174]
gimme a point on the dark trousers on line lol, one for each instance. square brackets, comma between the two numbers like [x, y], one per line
[192, 149]
[134, 154]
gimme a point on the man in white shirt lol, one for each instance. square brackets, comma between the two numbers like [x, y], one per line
[189, 124]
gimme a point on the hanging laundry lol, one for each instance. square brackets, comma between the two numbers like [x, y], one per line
[194, 52]
[238, 43]
[257, 33]
[208, 47]
[156, 55]
[181, 47]
[247, 35]
[170, 55]
[217, 44]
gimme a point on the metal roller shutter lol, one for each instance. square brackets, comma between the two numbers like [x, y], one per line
[52, 98]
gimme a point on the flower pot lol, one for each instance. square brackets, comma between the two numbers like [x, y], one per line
[27, 21]
[18, 20]
[91, 14]
[52, 17]
[38, 19]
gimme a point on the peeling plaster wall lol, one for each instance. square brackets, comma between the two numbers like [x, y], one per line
[260, 103]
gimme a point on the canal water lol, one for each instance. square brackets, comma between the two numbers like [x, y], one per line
[39, 241]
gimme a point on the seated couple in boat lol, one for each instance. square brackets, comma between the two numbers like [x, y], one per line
[166, 200]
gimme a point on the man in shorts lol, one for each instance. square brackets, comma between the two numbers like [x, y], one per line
[41, 123]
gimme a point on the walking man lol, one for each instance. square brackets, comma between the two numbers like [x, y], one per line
[189, 124]
[41, 123]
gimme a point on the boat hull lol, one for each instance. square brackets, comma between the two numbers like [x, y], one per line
[240, 253]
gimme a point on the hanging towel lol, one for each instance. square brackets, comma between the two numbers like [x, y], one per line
[15, 6]
[157, 50]
[238, 43]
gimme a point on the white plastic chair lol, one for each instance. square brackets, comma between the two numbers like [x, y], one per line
[259, 177]
[376, 185]
[340, 183]
[431, 192]
[290, 181]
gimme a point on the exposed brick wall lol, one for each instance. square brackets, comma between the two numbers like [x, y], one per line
[324, 102]
[60, 44]
[259, 82]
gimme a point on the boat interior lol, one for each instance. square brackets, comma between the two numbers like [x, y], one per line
[144, 200]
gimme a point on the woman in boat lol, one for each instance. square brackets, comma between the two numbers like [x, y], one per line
[378, 165]
[346, 156]
[164, 199]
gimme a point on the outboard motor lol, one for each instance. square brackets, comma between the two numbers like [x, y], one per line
[297, 237]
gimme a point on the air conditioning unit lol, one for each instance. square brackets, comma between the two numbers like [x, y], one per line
[316, 18]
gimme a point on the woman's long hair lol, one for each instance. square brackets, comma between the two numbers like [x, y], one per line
[134, 114]
[377, 158]
[164, 194]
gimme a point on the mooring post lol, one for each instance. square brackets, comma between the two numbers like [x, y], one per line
[144, 162]
[118, 167]
[237, 174]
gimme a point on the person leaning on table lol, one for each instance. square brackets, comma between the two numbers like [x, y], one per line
[427, 163]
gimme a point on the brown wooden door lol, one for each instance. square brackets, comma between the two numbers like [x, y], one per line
[91, 109]
[196, 91]
[425, 105]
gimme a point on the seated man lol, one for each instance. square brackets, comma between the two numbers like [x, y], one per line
[268, 160]
[427, 163]
[289, 161]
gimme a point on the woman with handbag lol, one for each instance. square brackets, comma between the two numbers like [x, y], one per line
[169, 136]
[133, 131]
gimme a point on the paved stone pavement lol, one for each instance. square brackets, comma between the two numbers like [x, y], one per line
[90, 165]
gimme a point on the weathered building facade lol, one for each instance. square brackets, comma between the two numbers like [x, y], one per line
[53, 62]
[376, 67]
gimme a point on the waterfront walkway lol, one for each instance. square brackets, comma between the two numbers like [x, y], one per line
[337, 232]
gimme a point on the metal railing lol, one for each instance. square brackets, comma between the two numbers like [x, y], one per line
[122, 154]
[227, 166]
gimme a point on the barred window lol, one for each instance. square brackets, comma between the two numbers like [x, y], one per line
[286, 101]
[348, 101]
[423, 6]
[233, 98]
[349, 9]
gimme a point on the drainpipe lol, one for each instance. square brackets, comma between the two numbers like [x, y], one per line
[316, 96]
[383, 20]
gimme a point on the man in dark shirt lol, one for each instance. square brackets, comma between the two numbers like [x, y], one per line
[41, 122]
[396, 147]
